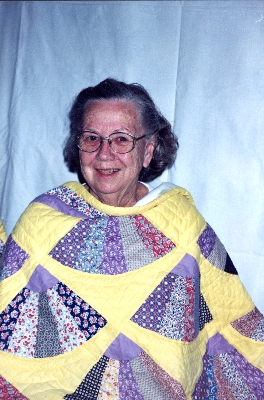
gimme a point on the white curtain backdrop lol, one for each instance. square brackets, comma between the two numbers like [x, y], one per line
[202, 62]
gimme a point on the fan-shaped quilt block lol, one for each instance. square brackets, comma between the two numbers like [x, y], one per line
[227, 374]
[176, 308]
[101, 245]
[48, 323]
[81, 248]
[126, 372]
[138, 378]
[169, 310]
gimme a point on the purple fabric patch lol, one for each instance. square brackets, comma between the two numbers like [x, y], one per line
[41, 280]
[14, 256]
[217, 344]
[113, 261]
[128, 387]
[187, 267]
[252, 376]
[206, 241]
[122, 348]
[59, 205]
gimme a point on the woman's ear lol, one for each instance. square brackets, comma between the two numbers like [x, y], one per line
[149, 150]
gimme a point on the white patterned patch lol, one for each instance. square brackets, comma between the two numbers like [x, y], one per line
[259, 332]
[109, 387]
[69, 334]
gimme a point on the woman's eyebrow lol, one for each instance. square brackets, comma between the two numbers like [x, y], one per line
[90, 130]
[121, 130]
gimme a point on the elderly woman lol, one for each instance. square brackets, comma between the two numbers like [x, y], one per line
[114, 291]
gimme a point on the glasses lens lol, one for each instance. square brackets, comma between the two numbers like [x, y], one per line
[89, 142]
[121, 142]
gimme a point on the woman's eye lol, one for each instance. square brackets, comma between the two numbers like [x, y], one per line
[91, 138]
[121, 139]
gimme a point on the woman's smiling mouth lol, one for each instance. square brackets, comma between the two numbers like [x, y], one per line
[107, 171]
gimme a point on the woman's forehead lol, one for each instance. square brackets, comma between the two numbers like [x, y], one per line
[122, 112]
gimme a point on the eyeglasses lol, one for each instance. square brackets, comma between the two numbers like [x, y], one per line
[119, 142]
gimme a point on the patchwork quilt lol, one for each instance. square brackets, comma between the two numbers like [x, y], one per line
[136, 303]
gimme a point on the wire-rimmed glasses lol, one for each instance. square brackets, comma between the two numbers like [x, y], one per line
[119, 142]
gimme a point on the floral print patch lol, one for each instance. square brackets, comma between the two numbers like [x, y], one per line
[113, 260]
[84, 315]
[23, 340]
[223, 390]
[76, 320]
[109, 388]
[152, 238]
[179, 320]
[9, 392]
[90, 253]
[152, 311]
[10, 316]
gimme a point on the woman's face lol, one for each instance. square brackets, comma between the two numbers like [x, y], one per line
[112, 177]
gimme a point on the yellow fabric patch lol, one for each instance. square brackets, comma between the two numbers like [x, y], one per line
[38, 238]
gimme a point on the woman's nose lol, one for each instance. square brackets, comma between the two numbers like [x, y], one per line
[105, 152]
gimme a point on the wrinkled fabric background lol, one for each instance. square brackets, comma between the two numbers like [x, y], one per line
[202, 62]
